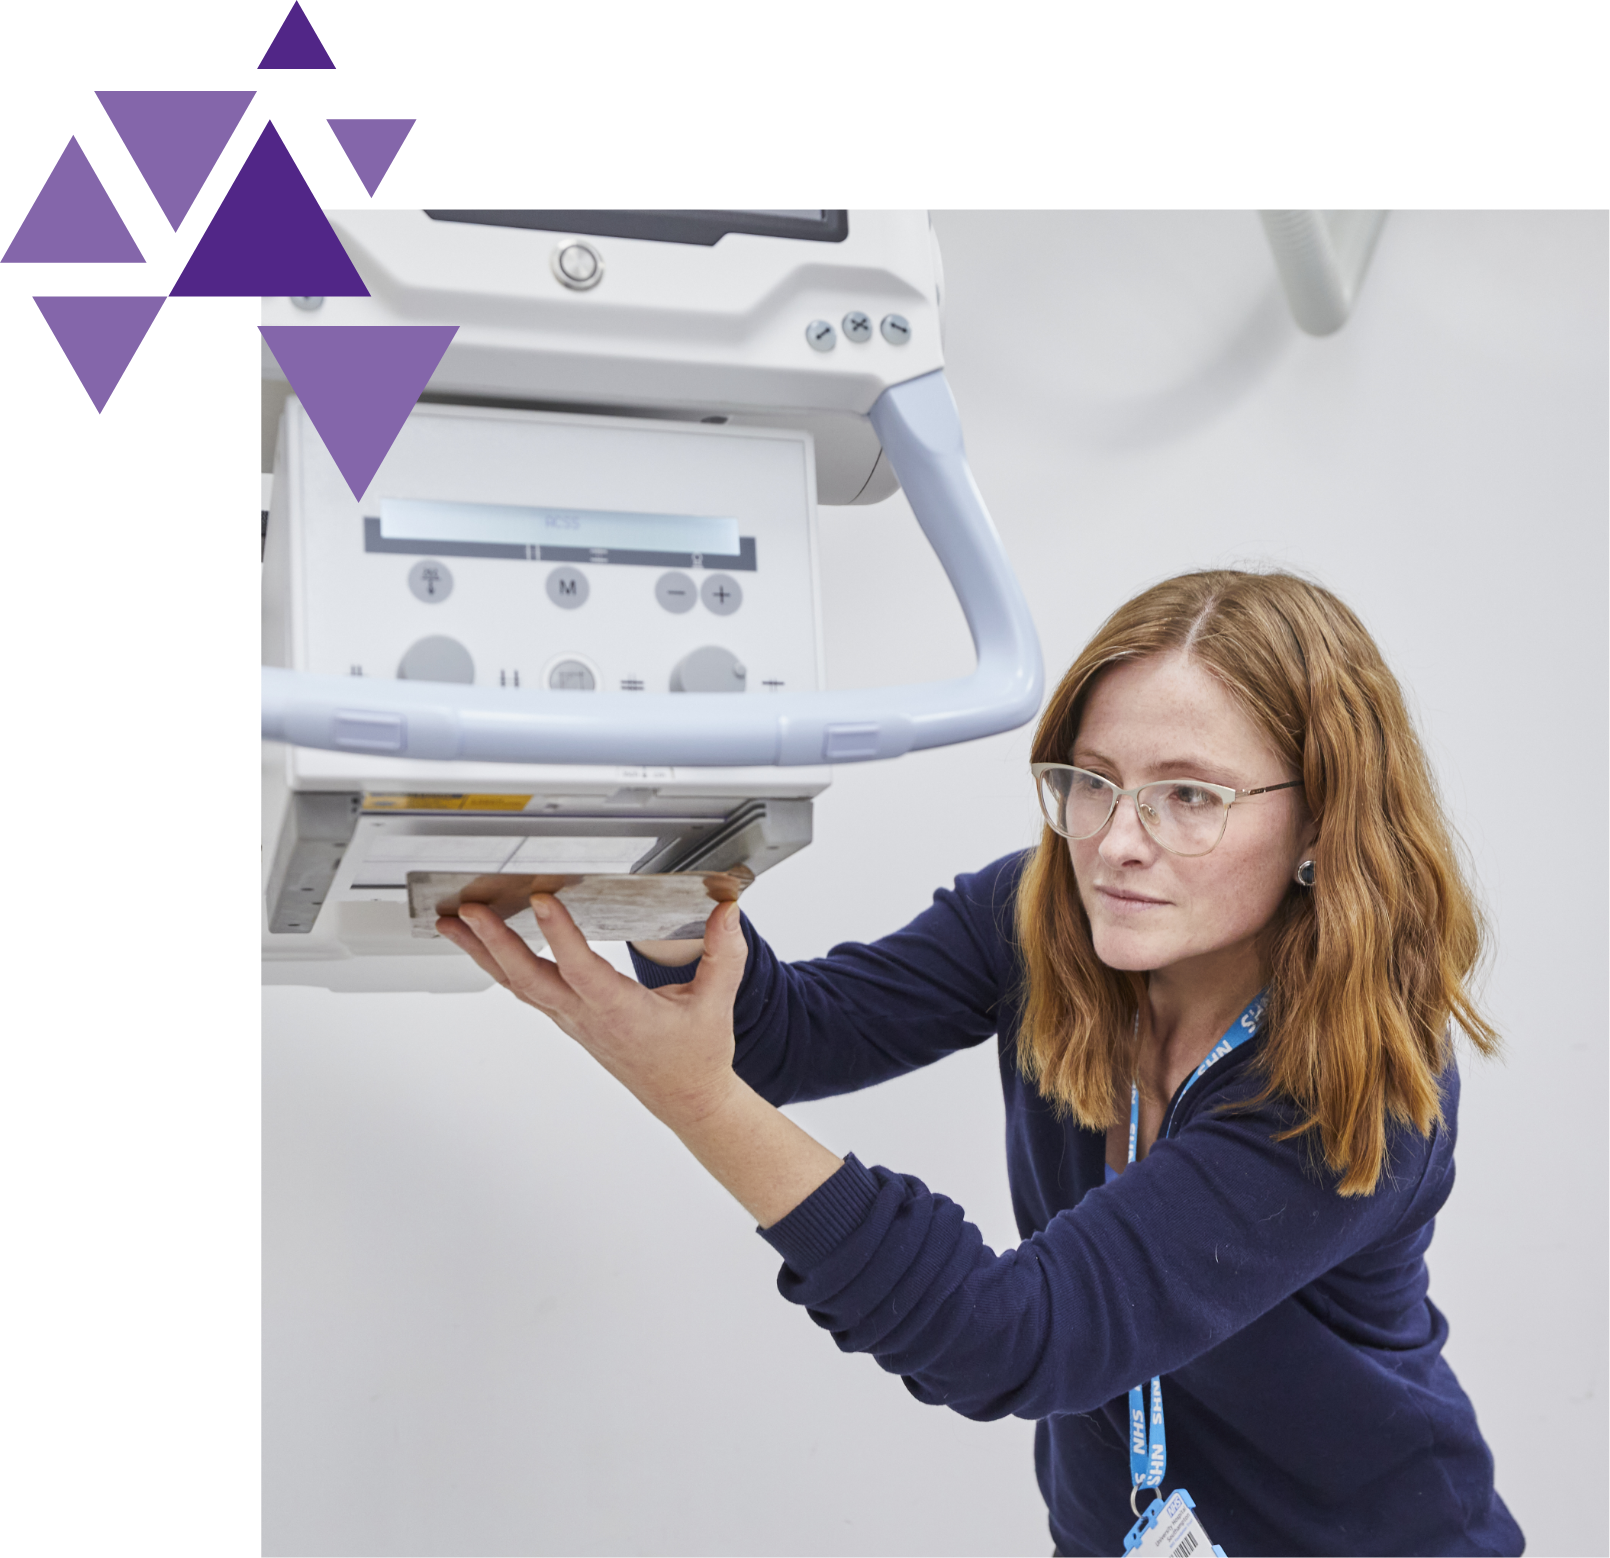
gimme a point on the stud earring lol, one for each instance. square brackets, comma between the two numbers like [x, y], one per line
[1305, 873]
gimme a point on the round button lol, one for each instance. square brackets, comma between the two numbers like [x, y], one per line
[722, 594]
[821, 335]
[857, 326]
[437, 659]
[567, 588]
[896, 329]
[578, 265]
[676, 592]
[571, 676]
[431, 581]
[710, 669]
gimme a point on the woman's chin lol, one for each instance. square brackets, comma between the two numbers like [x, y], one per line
[1127, 953]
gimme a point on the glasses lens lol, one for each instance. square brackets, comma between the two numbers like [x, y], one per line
[1185, 818]
[1075, 803]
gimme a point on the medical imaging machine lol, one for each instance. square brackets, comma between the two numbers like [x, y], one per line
[570, 632]
[572, 625]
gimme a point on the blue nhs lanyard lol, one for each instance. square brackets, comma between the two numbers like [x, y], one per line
[1148, 1448]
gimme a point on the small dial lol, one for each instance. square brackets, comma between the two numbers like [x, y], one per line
[710, 669]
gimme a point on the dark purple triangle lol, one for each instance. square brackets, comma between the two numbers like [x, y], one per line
[296, 46]
[269, 238]
[100, 336]
[358, 384]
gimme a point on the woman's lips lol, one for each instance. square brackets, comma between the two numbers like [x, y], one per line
[1122, 902]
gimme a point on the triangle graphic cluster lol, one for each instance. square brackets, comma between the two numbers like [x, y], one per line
[269, 236]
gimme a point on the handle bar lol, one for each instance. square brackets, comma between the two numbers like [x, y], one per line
[920, 430]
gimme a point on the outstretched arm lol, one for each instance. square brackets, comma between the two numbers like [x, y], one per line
[1064, 1322]
[671, 1048]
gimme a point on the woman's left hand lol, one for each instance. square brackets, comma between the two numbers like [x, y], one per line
[671, 1047]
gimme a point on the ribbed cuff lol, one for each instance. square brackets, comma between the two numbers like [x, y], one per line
[825, 1218]
[652, 975]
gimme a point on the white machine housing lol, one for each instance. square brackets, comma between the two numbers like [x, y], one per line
[689, 326]
[688, 379]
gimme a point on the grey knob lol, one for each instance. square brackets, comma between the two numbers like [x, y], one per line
[709, 670]
[437, 659]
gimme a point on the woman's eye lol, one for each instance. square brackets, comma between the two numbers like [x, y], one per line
[1192, 796]
[1086, 784]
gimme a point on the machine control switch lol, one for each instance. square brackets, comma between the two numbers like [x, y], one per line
[431, 581]
[710, 669]
[437, 659]
[722, 594]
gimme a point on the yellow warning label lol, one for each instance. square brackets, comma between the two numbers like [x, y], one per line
[445, 802]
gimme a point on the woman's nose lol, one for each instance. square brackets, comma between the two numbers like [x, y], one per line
[1125, 841]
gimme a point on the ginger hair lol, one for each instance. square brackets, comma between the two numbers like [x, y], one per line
[1368, 970]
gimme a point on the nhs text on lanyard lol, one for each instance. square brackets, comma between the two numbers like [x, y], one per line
[1170, 1526]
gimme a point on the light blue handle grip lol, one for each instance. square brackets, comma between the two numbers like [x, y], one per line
[920, 431]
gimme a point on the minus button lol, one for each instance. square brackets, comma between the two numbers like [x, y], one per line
[676, 592]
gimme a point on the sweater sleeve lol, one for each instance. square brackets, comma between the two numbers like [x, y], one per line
[1213, 1228]
[870, 1011]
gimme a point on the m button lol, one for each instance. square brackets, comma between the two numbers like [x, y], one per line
[567, 588]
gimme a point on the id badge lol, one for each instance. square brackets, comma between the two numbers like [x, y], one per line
[1170, 1529]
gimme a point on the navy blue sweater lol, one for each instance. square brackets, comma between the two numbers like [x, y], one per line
[1309, 1408]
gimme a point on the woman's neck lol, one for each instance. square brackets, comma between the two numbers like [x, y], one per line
[1189, 1007]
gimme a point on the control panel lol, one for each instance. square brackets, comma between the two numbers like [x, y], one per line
[582, 555]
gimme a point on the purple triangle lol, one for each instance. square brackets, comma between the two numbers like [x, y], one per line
[72, 219]
[175, 138]
[371, 145]
[99, 336]
[269, 238]
[358, 383]
[296, 46]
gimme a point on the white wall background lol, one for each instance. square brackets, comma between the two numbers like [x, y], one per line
[505, 1314]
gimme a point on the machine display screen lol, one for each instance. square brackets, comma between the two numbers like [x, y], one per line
[505, 525]
[692, 227]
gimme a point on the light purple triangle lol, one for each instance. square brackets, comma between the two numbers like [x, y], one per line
[72, 219]
[100, 336]
[269, 238]
[175, 139]
[296, 46]
[371, 145]
[358, 383]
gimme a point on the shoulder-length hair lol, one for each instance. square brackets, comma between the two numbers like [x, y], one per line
[1365, 969]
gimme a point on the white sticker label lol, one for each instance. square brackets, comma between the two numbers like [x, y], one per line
[1174, 1532]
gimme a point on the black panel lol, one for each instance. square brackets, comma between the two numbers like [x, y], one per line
[743, 561]
[698, 227]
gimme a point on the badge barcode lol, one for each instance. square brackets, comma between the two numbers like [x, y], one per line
[1186, 1547]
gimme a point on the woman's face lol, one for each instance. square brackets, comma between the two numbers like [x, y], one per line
[1168, 718]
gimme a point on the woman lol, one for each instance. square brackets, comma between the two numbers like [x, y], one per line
[1224, 986]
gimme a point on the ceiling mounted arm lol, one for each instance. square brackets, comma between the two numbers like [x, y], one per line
[1322, 257]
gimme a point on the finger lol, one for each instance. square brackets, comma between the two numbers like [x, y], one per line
[462, 937]
[531, 978]
[583, 970]
[721, 969]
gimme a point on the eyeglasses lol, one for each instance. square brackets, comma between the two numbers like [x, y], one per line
[1185, 816]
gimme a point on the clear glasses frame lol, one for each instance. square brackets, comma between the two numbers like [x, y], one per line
[1148, 814]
